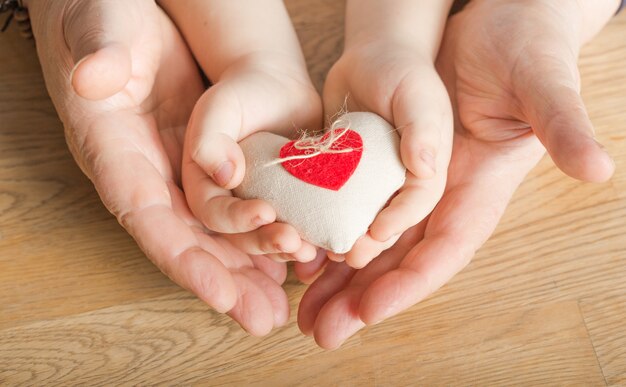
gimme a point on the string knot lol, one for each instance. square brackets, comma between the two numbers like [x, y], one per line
[317, 145]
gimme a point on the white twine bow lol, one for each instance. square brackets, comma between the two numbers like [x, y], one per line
[316, 146]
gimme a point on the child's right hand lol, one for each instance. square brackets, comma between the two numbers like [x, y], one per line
[256, 93]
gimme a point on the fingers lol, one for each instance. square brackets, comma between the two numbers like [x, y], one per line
[226, 214]
[216, 208]
[141, 200]
[338, 318]
[309, 271]
[399, 289]
[99, 36]
[335, 278]
[463, 220]
[253, 310]
[306, 253]
[330, 332]
[557, 114]
[256, 302]
[212, 136]
[278, 241]
[366, 249]
[423, 115]
[274, 294]
[416, 199]
[275, 270]
[249, 224]
[102, 73]
[273, 238]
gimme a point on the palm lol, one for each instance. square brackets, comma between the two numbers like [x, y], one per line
[485, 70]
[130, 146]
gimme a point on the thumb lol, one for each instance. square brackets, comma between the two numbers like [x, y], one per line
[212, 136]
[558, 116]
[98, 34]
[423, 116]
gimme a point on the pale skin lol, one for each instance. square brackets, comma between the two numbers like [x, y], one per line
[387, 67]
[250, 52]
[510, 69]
[254, 69]
[124, 84]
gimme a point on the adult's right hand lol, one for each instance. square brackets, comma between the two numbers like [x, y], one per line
[124, 84]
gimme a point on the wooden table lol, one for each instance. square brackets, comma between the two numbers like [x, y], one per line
[544, 301]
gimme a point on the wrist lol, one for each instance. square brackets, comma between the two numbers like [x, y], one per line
[421, 50]
[581, 20]
[375, 49]
[270, 62]
[416, 25]
[595, 15]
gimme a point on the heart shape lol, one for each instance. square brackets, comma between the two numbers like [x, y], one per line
[331, 169]
[328, 218]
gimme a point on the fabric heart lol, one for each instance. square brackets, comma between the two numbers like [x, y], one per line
[331, 197]
[330, 168]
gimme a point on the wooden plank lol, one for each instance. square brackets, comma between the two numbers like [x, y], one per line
[177, 340]
[604, 316]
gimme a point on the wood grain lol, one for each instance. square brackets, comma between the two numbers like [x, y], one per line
[543, 302]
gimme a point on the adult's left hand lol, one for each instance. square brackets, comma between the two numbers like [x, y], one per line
[510, 69]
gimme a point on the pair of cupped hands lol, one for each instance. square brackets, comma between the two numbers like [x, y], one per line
[473, 121]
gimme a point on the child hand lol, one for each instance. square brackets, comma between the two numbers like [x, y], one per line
[395, 78]
[250, 51]
[256, 93]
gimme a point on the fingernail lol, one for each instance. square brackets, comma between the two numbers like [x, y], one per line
[224, 173]
[258, 221]
[336, 257]
[310, 257]
[429, 159]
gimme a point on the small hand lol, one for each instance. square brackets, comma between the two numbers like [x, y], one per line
[509, 66]
[124, 84]
[405, 89]
[256, 93]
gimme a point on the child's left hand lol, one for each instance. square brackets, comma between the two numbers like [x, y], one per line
[404, 88]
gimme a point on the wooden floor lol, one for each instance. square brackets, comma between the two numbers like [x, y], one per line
[544, 301]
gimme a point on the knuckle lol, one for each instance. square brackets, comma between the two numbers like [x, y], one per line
[197, 152]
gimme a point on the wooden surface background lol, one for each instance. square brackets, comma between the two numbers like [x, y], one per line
[544, 301]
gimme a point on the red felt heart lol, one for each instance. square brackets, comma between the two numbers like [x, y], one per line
[327, 169]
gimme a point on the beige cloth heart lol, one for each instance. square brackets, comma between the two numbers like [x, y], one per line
[333, 220]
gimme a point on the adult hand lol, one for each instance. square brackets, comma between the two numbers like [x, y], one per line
[510, 68]
[124, 84]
